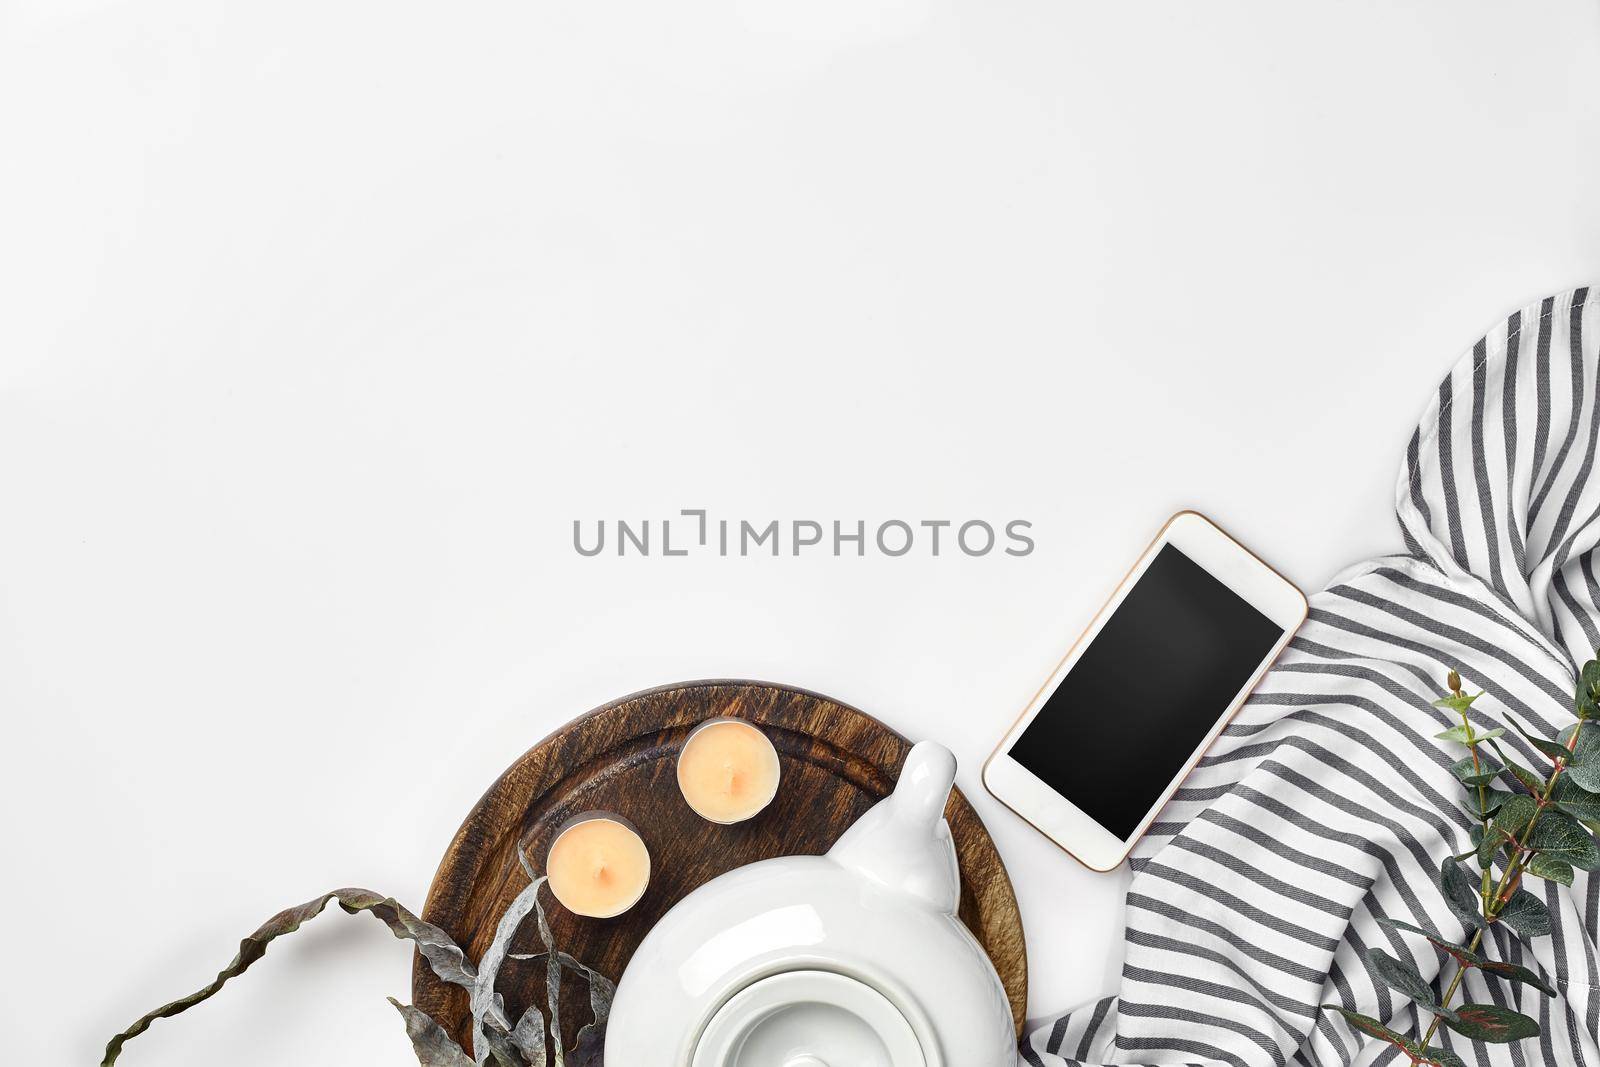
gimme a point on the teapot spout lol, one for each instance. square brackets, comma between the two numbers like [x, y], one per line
[903, 842]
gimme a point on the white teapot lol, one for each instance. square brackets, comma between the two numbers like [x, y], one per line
[853, 959]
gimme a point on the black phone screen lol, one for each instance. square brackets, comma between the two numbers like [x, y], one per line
[1146, 691]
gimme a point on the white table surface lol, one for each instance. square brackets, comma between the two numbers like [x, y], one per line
[323, 321]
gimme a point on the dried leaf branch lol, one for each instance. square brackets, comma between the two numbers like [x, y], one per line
[495, 1039]
[488, 1009]
[443, 956]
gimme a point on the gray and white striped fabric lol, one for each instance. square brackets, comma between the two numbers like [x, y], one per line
[1328, 805]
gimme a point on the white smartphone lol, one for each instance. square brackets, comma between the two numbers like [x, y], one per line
[1141, 695]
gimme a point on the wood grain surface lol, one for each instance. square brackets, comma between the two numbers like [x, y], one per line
[836, 763]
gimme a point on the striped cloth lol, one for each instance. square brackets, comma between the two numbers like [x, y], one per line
[1327, 804]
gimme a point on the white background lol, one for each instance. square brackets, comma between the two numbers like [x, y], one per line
[321, 322]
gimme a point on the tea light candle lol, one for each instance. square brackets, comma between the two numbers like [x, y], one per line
[728, 770]
[598, 865]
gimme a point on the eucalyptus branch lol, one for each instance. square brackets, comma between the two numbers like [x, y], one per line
[1495, 901]
[1519, 847]
[1547, 832]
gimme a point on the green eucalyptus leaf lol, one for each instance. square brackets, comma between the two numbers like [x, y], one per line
[1586, 697]
[1462, 954]
[1513, 973]
[1530, 781]
[1526, 914]
[1560, 836]
[1584, 775]
[1368, 1025]
[1490, 1022]
[1487, 843]
[1482, 773]
[1466, 735]
[1556, 870]
[1460, 894]
[1434, 1056]
[1549, 749]
[1475, 835]
[1403, 978]
[1457, 702]
[1588, 738]
[434, 1047]
[1492, 799]
[1575, 800]
[1583, 765]
[1514, 814]
[1414, 1050]
[1552, 749]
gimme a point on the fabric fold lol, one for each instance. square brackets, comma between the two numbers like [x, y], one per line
[1327, 804]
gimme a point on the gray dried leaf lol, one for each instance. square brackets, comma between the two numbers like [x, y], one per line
[488, 1009]
[434, 1047]
[443, 955]
[528, 1036]
[552, 982]
[552, 971]
[586, 1047]
[602, 991]
[502, 1051]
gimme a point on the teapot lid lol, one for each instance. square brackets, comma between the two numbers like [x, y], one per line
[808, 1018]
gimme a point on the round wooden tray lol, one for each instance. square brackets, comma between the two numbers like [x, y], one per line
[837, 762]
